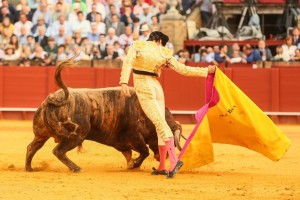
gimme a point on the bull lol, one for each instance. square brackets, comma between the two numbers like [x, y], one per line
[103, 115]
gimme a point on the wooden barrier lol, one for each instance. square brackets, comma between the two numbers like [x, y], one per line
[274, 90]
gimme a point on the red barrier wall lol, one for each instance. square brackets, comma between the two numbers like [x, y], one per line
[273, 90]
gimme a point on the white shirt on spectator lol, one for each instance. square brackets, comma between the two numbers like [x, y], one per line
[111, 40]
[18, 25]
[84, 27]
[47, 16]
[100, 9]
[288, 51]
[125, 39]
[54, 28]
[101, 28]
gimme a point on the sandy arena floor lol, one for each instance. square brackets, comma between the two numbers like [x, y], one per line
[237, 173]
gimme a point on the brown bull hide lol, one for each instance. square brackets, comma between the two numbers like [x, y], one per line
[102, 115]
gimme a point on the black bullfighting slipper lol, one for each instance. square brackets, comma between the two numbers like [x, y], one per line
[159, 172]
[177, 167]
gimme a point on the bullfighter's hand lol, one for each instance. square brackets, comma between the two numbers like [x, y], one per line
[211, 69]
[125, 90]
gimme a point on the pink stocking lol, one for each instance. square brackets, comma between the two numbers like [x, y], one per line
[162, 157]
[172, 154]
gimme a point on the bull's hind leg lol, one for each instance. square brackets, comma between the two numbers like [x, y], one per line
[32, 148]
[62, 148]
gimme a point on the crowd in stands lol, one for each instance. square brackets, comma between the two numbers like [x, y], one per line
[49, 31]
[44, 32]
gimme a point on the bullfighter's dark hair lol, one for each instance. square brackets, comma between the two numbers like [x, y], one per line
[157, 35]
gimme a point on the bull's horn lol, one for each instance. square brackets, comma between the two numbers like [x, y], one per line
[177, 139]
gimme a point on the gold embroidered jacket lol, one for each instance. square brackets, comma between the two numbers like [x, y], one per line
[150, 57]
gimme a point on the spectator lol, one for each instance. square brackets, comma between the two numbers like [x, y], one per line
[14, 42]
[31, 42]
[136, 26]
[145, 16]
[236, 58]
[42, 11]
[279, 54]
[119, 49]
[128, 16]
[5, 13]
[59, 38]
[61, 54]
[76, 51]
[223, 55]
[40, 23]
[69, 43]
[51, 48]
[86, 46]
[296, 36]
[111, 53]
[101, 26]
[108, 7]
[73, 15]
[138, 8]
[94, 35]
[126, 38]
[145, 32]
[297, 55]
[154, 8]
[55, 26]
[200, 56]
[210, 55]
[23, 37]
[154, 26]
[22, 22]
[162, 11]
[91, 16]
[250, 54]
[266, 54]
[41, 38]
[205, 11]
[102, 46]
[99, 8]
[11, 10]
[26, 53]
[58, 11]
[111, 36]
[27, 11]
[39, 54]
[81, 24]
[10, 54]
[288, 49]
[77, 38]
[117, 25]
[96, 53]
[108, 18]
[6, 24]
[82, 6]
[235, 47]
[33, 4]
[65, 6]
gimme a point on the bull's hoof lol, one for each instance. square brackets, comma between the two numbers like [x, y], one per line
[28, 169]
[76, 170]
[132, 164]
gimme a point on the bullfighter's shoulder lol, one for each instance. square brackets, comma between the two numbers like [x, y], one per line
[140, 45]
[166, 52]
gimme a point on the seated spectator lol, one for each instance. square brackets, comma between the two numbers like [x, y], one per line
[81, 24]
[210, 56]
[22, 22]
[136, 26]
[235, 47]
[145, 32]
[119, 49]
[77, 37]
[112, 54]
[236, 58]
[69, 43]
[31, 42]
[66, 8]
[145, 16]
[76, 51]
[4, 38]
[39, 54]
[26, 53]
[4, 12]
[82, 6]
[266, 54]
[10, 54]
[138, 8]
[23, 37]
[26, 62]
[101, 26]
[59, 38]
[111, 36]
[279, 54]
[154, 26]
[126, 38]
[95, 54]
[128, 16]
[288, 49]
[102, 46]
[61, 54]
[42, 11]
[99, 7]
[94, 35]
[200, 55]
[296, 36]
[41, 38]
[58, 11]
[73, 15]
[223, 55]
[51, 48]
[117, 25]
[91, 17]
[86, 46]
[26, 10]
[14, 42]
[48, 61]
[56, 25]
[40, 23]
[6, 24]
[297, 55]
[250, 54]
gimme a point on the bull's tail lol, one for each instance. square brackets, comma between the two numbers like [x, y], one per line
[58, 100]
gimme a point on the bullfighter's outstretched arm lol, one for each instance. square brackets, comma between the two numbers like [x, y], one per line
[127, 65]
[187, 70]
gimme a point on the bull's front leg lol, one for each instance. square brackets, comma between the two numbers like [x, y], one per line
[128, 156]
[144, 153]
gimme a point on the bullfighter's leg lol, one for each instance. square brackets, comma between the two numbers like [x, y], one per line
[63, 147]
[32, 148]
